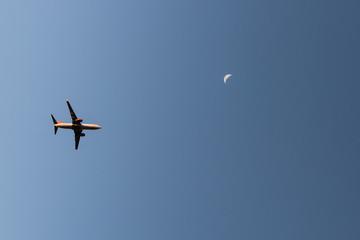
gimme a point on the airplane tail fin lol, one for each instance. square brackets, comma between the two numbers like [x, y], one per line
[55, 128]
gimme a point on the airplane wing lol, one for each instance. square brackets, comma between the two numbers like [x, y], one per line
[77, 139]
[72, 113]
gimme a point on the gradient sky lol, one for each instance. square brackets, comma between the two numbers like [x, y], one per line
[273, 154]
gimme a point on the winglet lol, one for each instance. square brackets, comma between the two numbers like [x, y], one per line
[55, 127]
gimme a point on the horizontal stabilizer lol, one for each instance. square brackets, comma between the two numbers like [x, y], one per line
[55, 127]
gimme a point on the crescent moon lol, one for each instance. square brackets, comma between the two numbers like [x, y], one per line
[226, 77]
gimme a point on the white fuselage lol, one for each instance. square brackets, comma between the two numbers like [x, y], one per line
[78, 126]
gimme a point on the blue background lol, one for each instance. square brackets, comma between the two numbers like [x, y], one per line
[273, 154]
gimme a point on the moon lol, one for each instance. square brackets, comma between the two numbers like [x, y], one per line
[226, 77]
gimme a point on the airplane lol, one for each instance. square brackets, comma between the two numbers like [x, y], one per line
[76, 125]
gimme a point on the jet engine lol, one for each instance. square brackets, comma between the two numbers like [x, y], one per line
[82, 134]
[78, 120]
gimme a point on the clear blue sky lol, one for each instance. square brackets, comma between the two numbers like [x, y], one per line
[274, 154]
